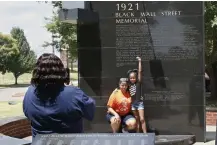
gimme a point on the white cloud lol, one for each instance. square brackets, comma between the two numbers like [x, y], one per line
[73, 4]
[30, 17]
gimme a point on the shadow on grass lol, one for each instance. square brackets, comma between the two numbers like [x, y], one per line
[73, 79]
[2, 86]
[74, 71]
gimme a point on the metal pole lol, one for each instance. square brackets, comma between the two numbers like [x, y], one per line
[67, 55]
[53, 44]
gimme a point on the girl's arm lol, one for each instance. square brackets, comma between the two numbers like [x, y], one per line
[139, 69]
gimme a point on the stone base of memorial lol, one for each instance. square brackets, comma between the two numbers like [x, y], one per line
[14, 130]
[114, 139]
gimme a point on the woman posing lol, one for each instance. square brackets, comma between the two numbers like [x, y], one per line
[119, 108]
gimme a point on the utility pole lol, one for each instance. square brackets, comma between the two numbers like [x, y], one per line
[53, 43]
[67, 55]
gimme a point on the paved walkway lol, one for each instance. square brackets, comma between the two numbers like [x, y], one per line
[7, 93]
[210, 135]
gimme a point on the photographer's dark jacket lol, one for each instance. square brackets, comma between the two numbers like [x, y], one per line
[64, 115]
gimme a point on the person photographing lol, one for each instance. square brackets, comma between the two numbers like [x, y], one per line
[50, 105]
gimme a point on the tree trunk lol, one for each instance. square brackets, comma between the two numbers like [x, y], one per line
[72, 66]
[213, 82]
[213, 71]
[16, 78]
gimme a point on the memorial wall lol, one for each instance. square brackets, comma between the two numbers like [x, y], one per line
[169, 37]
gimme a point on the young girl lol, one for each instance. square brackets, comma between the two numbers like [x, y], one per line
[135, 78]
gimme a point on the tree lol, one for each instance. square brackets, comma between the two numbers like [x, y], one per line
[8, 49]
[23, 61]
[66, 32]
[211, 44]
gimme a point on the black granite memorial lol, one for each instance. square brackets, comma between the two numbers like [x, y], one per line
[169, 38]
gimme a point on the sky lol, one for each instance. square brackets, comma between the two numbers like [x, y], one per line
[29, 16]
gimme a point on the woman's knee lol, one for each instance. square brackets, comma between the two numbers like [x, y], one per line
[114, 122]
[131, 123]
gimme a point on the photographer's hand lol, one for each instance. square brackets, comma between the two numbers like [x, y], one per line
[70, 84]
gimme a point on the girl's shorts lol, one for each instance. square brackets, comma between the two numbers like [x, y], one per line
[137, 105]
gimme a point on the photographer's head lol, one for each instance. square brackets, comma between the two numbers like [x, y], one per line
[48, 76]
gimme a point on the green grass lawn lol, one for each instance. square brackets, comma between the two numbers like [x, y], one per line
[7, 110]
[7, 80]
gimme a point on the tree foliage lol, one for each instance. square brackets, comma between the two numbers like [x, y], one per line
[210, 32]
[23, 61]
[8, 49]
[66, 32]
